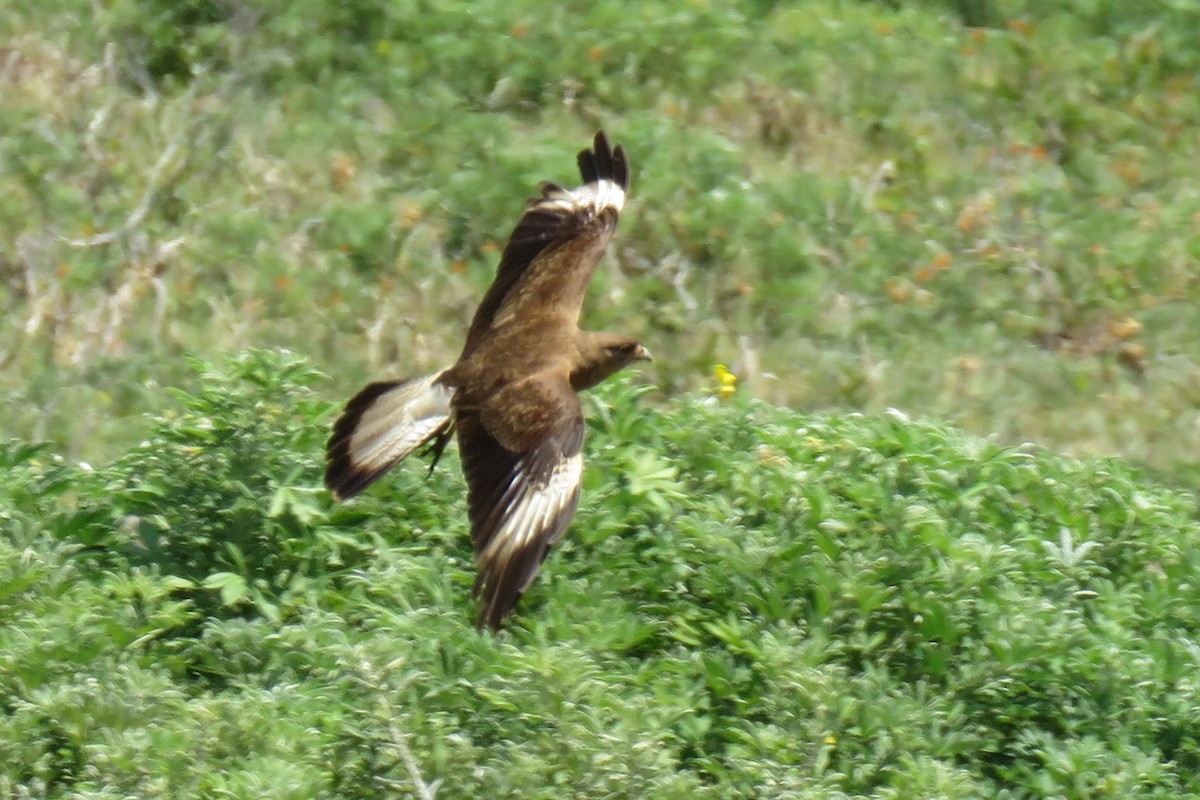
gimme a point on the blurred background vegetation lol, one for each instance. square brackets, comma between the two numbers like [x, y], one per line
[983, 211]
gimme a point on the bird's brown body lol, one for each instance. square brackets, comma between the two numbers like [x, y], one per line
[511, 397]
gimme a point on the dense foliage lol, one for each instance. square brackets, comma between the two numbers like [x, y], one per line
[752, 603]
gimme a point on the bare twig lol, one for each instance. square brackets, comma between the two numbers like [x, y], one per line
[8, 69]
[373, 680]
[139, 212]
[426, 791]
[158, 172]
[153, 271]
[375, 332]
[93, 130]
[676, 269]
[748, 359]
[44, 294]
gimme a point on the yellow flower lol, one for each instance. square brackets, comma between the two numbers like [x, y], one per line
[726, 380]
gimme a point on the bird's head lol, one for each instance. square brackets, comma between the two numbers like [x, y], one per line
[603, 354]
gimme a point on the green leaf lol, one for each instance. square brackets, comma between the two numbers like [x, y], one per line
[232, 587]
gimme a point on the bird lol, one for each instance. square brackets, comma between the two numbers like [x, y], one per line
[512, 398]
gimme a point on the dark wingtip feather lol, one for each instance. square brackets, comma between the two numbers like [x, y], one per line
[604, 155]
[587, 166]
[604, 162]
[498, 588]
[621, 168]
[494, 611]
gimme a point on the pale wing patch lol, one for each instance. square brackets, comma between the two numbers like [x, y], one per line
[381, 425]
[531, 507]
[398, 422]
[589, 199]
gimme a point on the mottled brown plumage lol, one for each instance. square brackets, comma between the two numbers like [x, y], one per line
[511, 397]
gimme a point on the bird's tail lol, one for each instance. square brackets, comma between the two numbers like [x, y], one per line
[382, 424]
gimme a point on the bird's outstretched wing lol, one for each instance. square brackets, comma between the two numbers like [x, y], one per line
[380, 426]
[523, 460]
[555, 247]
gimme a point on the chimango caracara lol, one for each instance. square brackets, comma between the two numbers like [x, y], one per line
[511, 398]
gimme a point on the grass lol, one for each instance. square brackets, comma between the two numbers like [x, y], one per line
[752, 602]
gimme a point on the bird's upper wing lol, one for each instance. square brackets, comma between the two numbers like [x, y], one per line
[556, 245]
[522, 456]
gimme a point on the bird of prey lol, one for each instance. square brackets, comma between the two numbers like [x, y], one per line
[511, 399]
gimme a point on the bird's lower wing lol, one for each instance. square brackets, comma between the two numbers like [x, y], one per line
[519, 504]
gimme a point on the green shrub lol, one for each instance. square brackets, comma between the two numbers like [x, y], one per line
[750, 602]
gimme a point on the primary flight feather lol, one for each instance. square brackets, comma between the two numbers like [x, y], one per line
[511, 398]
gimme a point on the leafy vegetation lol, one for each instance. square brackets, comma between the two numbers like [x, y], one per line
[752, 603]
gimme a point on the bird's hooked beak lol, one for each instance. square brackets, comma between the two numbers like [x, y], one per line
[642, 354]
